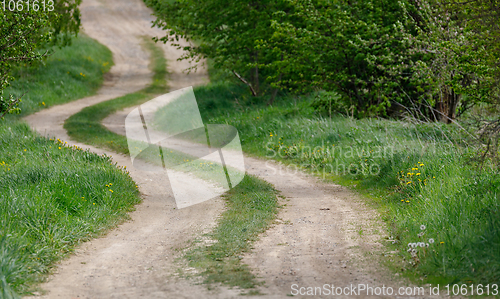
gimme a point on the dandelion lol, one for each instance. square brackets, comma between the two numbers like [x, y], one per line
[422, 227]
[59, 147]
[426, 244]
[110, 190]
[418, 173]
[431, 240]
[421, 244]
[441, 242]
[24, 149]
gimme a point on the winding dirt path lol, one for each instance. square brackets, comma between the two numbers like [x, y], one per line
[315, 241]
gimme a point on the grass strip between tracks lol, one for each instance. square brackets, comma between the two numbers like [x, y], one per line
[252, 205]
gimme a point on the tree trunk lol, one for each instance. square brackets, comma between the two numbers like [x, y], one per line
[256, 74]
[273, 95]
[256, 80]
[447, 105]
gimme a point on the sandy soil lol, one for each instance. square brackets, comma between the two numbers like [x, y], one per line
[316, 240]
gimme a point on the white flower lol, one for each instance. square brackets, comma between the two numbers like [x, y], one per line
[421, 244]
[420, 234]
[427, 244]
[409, 244]
[422, 227]
[431, 240]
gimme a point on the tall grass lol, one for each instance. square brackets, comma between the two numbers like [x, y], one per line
[69, 74]
[417, 173]
[53, 197]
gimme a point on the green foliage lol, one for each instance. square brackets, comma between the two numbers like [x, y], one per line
[65, 21]
[380, 56]
[416, 173]
[355, 48]
[224, 31]
[25, 34]
[452, 61]
[71, 73]
[328, 103]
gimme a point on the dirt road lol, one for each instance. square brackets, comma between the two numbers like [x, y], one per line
[316, 240]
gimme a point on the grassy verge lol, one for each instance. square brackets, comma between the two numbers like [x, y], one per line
[85, 126]
[252, 205]
[53, 197]
[416, 174]
[69, 74]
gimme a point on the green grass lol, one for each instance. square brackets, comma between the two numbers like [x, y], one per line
[384, 159]
[85, 126]
[53, 197]
[252, 205]
[69, 74]
[251, 208]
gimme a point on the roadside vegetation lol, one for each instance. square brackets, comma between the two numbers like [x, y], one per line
[399, 100]
[53, 197]
[69, 74]
[415, 173]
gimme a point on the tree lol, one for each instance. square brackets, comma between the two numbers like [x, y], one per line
[453, 62]
[415, 54]
[224, 31]
[25, 36]
[357, 48]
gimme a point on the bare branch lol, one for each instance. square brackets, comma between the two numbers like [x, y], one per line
[246, 82]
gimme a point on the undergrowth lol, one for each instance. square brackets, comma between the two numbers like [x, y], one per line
[416, 173]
